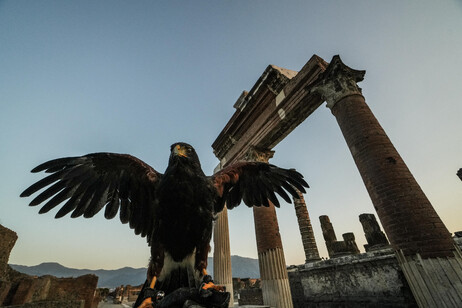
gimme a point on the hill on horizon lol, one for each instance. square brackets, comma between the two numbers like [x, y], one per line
[242, 267]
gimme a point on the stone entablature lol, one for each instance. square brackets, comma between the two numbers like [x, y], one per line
[275, 106]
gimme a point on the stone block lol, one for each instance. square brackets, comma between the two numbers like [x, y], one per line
[5, 287]
[80, 288]
[250, 297]
[31, 290]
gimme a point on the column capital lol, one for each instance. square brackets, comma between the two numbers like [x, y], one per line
[337, 82]
[259, 155]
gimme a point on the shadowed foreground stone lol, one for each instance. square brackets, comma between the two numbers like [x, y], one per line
[51, 304]
[7, 240]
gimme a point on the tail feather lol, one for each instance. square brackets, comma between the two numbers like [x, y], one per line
[178, 278]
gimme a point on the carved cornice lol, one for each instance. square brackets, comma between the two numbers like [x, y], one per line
[337, 82]
[260, 155]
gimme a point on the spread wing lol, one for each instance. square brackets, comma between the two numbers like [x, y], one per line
[255, 183]
[94, 181]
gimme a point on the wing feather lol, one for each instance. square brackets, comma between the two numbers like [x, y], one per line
[85, 185]
[58, 198]
[113, 207]
[256, 184]
[70, 205]
[48, 193]
[125, 211]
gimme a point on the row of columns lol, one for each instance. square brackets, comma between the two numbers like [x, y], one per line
[273, 273]
[413, 227]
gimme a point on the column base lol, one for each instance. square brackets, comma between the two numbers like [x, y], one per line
[276, 293]
[274, 279]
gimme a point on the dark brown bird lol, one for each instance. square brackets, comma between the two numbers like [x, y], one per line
[174, 210]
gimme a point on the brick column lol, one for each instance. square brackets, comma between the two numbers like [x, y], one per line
[222, 273]
[422, 242]
[306, 229]
[408, 218]
[273, 272]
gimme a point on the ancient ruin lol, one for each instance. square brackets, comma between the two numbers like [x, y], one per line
[424, 251]
[21, 290]
[337, 248]
[415, 261]
[375, 238]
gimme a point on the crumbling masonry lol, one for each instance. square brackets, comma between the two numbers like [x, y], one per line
[278, 102]
[18, 289]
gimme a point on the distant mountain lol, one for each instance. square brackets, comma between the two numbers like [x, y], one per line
[106, 278]
[241, 267]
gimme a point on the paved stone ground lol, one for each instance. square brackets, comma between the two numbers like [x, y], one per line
[109, 304]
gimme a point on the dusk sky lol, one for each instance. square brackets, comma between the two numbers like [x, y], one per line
[133, 77]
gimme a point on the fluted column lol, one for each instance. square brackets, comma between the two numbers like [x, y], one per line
[273, 272]
[222, 272]
[306, 229]
[412, 225]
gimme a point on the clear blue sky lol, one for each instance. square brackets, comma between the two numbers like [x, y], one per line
[135, 76]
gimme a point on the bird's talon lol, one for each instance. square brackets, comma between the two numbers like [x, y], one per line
[160, 295]
[211, 285]
[207, 279]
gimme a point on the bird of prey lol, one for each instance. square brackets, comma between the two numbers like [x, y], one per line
[174, 210]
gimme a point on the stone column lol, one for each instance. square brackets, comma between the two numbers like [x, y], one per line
[328, 233]
[273, 272]
[412, 225]
[306, 229]
[409, 220]
[222, 274]
[350, 243]
[374, 236]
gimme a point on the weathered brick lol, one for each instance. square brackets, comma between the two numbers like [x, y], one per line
[404, 210]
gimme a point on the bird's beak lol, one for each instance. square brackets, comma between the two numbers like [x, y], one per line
[179, 151]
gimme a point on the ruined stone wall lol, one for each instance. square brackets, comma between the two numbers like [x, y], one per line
[51, 289]
[20, 290]
[372, 279]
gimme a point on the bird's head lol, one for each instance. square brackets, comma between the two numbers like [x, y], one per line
[183, 152]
